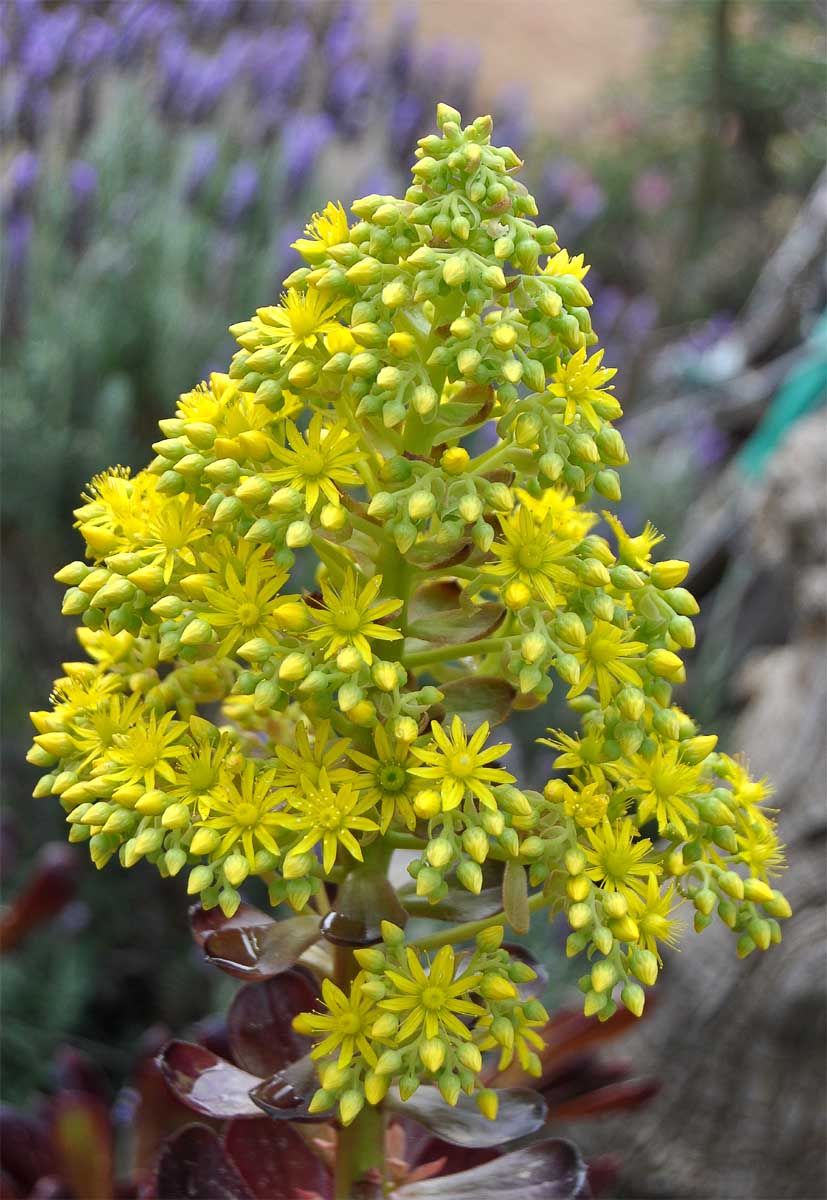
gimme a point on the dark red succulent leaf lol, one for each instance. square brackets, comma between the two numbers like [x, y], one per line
[452, 1159]
[211, 1032]
[363, 901]
[51, 885]
[261, 951]
[547, 1169]
[521, 1112]
[601, 1175]
[274, 1160]
[615, 1096]
[286, 1095]
[566, 1035]
[204, 922]
[575, 1076]
[83, 1142]
[206, 1083]
[26, 1153]
[437, 615]
[570, 1031]
[157, 1112]
[193, 1163]
[476, 698]
[259, 1023]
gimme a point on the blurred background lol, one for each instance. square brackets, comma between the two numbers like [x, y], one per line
[158, 157]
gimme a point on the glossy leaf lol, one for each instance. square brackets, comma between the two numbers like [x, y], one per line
[551, 1169]
[204, 922]
[477, 698]
[287, 1094]
[521, 1112]
[82, 1138]
[158, 1111]
[274, 1161]
[437, 616]
[457, 905]
[193, 1163]
[259, 1023]
[261, 951]
[466, 411]
[429, 554]
[206, 1083]
[364, 900]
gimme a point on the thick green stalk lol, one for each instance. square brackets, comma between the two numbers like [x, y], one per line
[425, 658]
[360, 1145]
[462, 933]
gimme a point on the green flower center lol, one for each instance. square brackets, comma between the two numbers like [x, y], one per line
[145, 752]
[392, 777]
[616, 864]
[330, 817]
[201, 777]
[312, 462]
[530, 556]
[349, 1023]
[432, 998]
[248, 614]
[347, 619]
[246, 814]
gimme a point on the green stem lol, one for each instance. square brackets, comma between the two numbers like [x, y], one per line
[491, 458]
[462, 933]
[425, 658]
[359, 1146]
[370, 528]
[404, 841]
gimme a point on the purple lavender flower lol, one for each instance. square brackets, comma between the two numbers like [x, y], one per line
[211, 16]
[17, 236]
[399, 66]
[94, 44]
[710, 444]
[303, 140]
[511, 118]
[345, 38]
[202, 164]
[141, 24]
[240, 193]
[640, 318]
[83, 181]
[278, 62]
[46, 42]
[347, 99]
[405, 119]
[19, 181]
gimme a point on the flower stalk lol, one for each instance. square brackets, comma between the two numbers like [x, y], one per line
[351, 429]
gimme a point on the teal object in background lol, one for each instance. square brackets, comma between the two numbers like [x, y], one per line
[802, 392]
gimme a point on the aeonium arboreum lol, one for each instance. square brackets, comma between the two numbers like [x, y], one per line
[458, 576]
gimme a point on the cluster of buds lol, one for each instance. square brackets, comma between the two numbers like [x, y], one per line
[419, 417]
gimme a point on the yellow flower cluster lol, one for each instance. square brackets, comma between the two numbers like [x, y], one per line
[240, 715]
[408, 1019]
